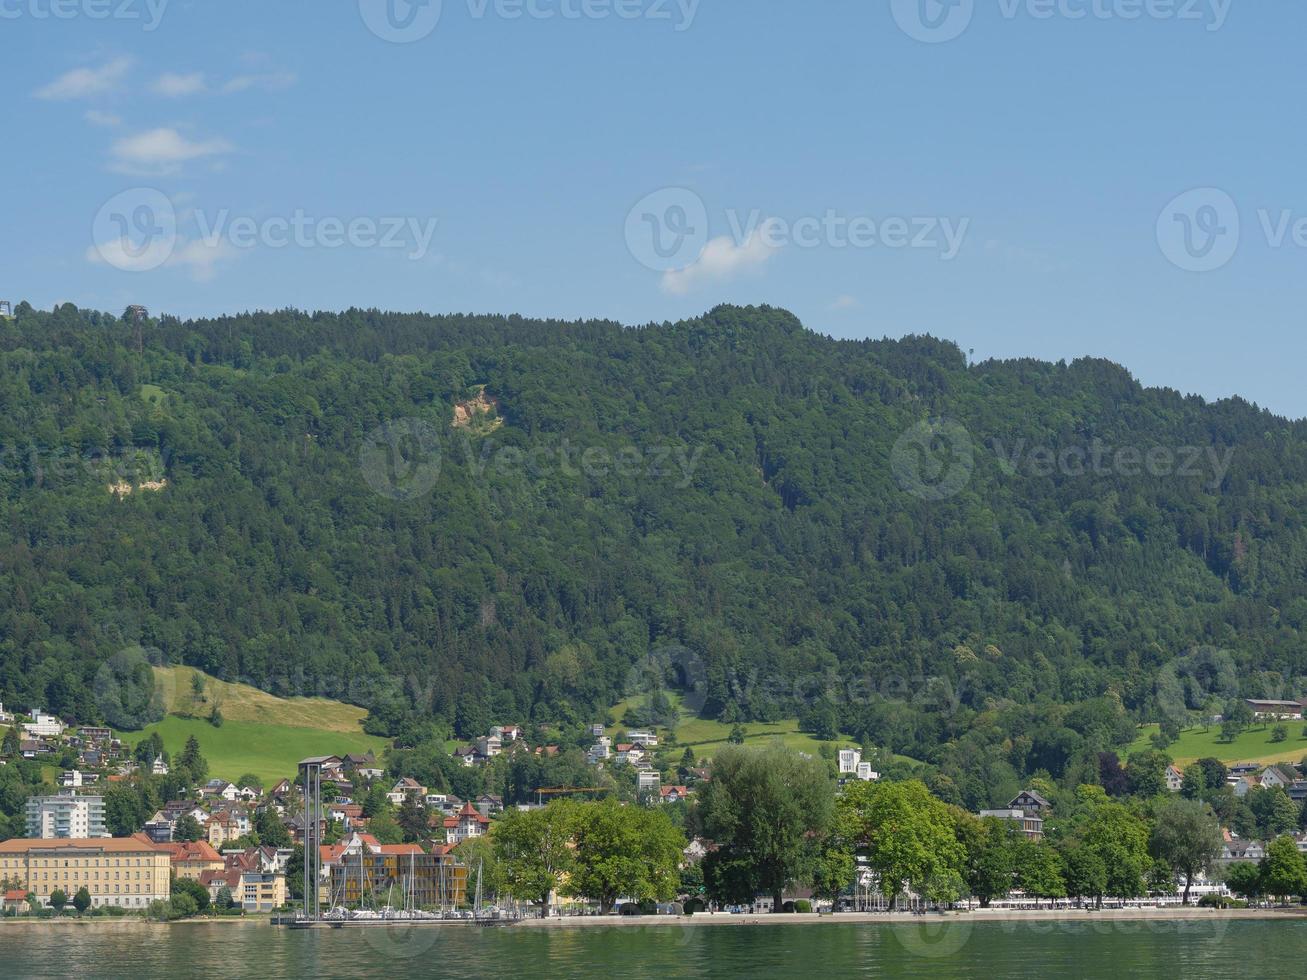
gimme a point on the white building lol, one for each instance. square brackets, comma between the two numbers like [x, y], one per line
[642, 736]
[647, 781]
[851, 764]
[66, 816]
[600, 751]
[849, 760]
[1174, 779]
[43, 725]
[1269, 710]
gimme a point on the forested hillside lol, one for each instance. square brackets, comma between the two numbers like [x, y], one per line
[996, 593]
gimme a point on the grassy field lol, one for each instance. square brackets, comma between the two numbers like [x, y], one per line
[260, 734]
[1254, 745]
[239, 702]
[703, 734]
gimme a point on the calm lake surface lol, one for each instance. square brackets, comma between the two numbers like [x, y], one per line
[1216, 949]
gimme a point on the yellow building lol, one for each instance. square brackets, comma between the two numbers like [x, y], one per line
[192, 860]
[254, 891]
[122, 871]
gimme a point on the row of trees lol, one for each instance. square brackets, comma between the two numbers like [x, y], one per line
[776, 820]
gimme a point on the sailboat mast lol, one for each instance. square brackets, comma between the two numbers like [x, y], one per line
[480, 865]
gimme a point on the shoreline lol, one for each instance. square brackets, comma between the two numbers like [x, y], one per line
[1043, 917]
[1040, 916]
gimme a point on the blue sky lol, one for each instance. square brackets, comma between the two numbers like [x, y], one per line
[1026, 188]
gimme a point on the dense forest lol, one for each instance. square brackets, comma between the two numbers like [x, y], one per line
[472, 520]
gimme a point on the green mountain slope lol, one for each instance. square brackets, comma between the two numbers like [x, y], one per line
[770, 512]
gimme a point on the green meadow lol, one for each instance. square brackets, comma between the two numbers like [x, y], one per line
[1253, 745]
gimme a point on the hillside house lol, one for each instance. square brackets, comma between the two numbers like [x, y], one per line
[601, 751]
[363, 766]
[405, 788]
[467, 823]
[647, 781]
[43, 725]
[1268, 710]
[672, 794]
[1174, 778]
[1028, 801]
[1273, 776]
[628, 754]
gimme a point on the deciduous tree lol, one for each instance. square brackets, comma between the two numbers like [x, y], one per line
[908, 836]
[1187, 837]
[766, 810]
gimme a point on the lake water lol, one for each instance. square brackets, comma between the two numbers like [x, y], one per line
[1218, 948]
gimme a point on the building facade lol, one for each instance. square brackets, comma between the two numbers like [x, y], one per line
[1028, 822]
[393, 875]
[66, 816]
[119, 871]
[253, 891]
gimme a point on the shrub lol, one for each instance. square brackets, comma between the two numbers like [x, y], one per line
[803, 905]
[1221, 902]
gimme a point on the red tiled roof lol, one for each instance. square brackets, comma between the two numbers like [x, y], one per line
[470, 811]
[401, 850]
[180, 852]
[15, 895]
[229, 877]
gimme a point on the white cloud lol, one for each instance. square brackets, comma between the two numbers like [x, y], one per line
[119, 254]
[161, 151]
[201, 258]
[175, 86]
[196, 256]
[722, 259]
[272, 82]
[845, 302]
[107, 119]
[82, 83]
